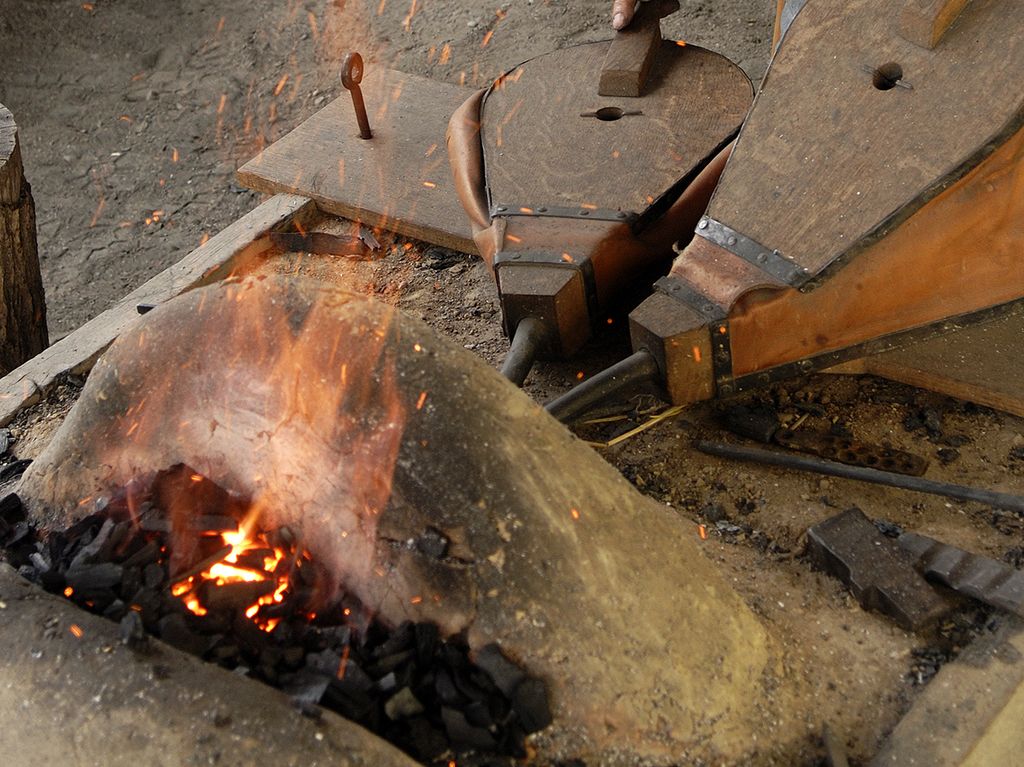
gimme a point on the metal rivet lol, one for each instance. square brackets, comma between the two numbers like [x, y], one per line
[584, 212]
[764, 378]
[542, 210]
[731, 241]
[515, 256]
[709, 308]
[806, 365]
[703, 224]
[501, 208]
[620, 214]
[762, 258]
[726, 388]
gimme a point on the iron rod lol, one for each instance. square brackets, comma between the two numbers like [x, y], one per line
[527, 341]
[639, 367]
[864, 474]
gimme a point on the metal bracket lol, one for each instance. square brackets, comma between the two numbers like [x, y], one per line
[553, 211]
[686, 294]
[721, 358]
[769, 261]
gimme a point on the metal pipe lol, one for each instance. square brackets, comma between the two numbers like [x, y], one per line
[864, 474]
[527, 341]
[639, 367]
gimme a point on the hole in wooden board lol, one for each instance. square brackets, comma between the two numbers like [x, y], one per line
[887, 76]
[608, 114]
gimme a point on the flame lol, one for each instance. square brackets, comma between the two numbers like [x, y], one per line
[228, 571]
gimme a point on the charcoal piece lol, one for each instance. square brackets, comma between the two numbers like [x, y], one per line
[173, 630]
[446, 691]
[131, 580]
[349, 702]
[756, 422]
[468, 686]
[250, 637]
[478, 714]
[389, 663]
[82, 526]
[11, 509]
[293, 656]
[401, 639]
[116, 610]
[513, 743]
[53, 581]
[154, 522]
[255, 559]
[96, 550]
[5, 440]
[39, 562]
[147, 603]
[233, 596]
[148, 553]
[96, 600]
[425, 741]
[453, 655]
[153, 575]
[388, 682]
[433, 543]
[104, 575]
[133, 633]
[336, 637]
[327, 662]
[462, 733]
[530, 704]
[426, 635]
[14, 469]
[505, 674]
[306, 686]
[270, 655]
[402, 705]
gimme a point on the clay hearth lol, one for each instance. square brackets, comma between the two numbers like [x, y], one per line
[361, 428]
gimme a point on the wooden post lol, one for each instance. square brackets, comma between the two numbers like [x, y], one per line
[22, 305]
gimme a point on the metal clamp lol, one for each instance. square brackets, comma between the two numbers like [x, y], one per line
[553, 211]
[768, 260]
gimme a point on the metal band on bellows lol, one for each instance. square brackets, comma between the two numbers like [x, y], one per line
[552, 211]
[691, 297]
[770, 261]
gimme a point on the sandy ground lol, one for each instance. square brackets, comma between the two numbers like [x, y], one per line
[134, 116]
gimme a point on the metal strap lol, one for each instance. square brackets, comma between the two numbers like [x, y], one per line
[691, 297]
[553, 211]
[769, 261]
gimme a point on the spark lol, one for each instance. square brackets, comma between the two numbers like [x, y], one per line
[88, 7]
[174, 154]
[487, 38]
[417, 348]
[99, 211]
[446, 54]
[567, 258]
[75, 629]
[223, 102]
[280, 84]
[575, 514]
[421, 401]
[703, 531]
[204, 239]
[580, 375]
[314, 30]
[513, 238]
[68, 591]
[430, 150]
[126, 118]
[416, 600]
[220, 25]
[696, 354]
[407, 22]
[429, 184]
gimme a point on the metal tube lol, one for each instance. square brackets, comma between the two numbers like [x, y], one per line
[527, 341]
[833, 469]
[639, 367]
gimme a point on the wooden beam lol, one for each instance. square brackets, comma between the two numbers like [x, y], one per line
[217, 258]
[632, 51]
[924, 22]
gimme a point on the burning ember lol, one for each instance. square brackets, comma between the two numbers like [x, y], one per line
[180, 558]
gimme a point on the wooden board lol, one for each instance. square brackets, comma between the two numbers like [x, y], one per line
[398, 180]
[543, 146]
[827, 162]
[981, 364]
[212, 261]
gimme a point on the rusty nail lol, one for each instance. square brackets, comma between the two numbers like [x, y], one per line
[351, 76]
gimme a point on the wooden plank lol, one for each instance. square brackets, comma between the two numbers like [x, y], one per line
[924, 22]
[398, 180]
[632, 51]
[979, 364]
[544, 146]
[212, 261]
[828, 163]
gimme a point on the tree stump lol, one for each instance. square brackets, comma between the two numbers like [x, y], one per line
[22, 305]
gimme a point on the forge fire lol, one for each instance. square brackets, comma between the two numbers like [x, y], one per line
[209, 580]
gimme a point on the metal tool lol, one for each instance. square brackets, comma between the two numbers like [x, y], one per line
[960, 492]
[351, 76]
[973, 575]
[850, 547]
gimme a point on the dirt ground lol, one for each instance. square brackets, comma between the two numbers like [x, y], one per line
[133, 117]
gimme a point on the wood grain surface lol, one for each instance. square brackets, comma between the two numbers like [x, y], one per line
[828, 162]
[398, 180]
[544, 146]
